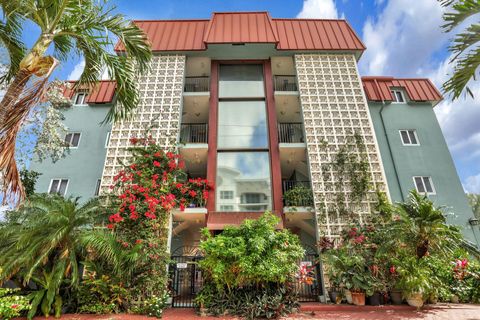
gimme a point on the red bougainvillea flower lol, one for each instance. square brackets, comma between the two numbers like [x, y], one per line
[393, 270]
[352, 233]
[156, 163]
[110, 226]
[359, 239]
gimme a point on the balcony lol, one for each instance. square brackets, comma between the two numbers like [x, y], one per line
[290, 132]
[297, 193]
[197, 84]
[194, 133]
[286, 83]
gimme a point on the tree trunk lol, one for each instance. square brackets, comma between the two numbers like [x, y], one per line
[14, 92]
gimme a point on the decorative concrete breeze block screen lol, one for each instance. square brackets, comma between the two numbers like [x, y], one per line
[160, 105]
[334, 108]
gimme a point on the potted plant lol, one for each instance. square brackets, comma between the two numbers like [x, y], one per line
[377, 285]
[415, 280]
[392, 284]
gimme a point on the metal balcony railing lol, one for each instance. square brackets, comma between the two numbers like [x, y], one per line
[194, 133]
[286, 83]
[290, 132]
[297, 193]
[196, 84]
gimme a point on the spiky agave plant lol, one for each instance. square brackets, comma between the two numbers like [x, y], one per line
[87, 28]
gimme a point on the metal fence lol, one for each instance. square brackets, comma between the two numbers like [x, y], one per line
[310, 290]
[286, 83]
[194, 133]
[185, 280]
[197, 84]
[290, 132]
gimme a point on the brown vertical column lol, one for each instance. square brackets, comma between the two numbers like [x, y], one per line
[273, 134]
[212, 134]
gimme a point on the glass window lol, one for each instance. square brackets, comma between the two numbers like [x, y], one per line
[409, 137]
[226, 194]
[424, 185]
[97, 187]
[80, 98]
[72, 139]
[242, 124]
[107, 139]
[398, 96]
[58, 186]
[247, 176]
[241, 81]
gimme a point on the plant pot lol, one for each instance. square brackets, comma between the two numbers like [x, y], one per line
[335, 296]
[348, 296]
[415, 300]
[375, 299]
[432, 299]
[396, 297]
[358, 298]
[454, 299]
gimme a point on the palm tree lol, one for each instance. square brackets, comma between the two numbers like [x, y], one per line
[422, 227]
[47, 237]
[86, 28]
[465, 50]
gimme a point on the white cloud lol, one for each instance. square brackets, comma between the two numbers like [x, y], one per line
[77, 71]
[472, 184]
[401, 40]
[324, 9]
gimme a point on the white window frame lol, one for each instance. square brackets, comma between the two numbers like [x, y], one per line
[225, 192]
[423, 182]
[60, 182]
[75, 97]
[394, 94]
[226, 207]
[79, 139]
[107, 139]
[408, 134]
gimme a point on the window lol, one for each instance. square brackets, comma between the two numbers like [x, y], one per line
[58, 186]
[241, 80]
[72, 139]
[80, 98]
[226, 194]
[97, 187]
[107, 140]
[424, 185]
[226, 208]
[398, 96]
[409, 137]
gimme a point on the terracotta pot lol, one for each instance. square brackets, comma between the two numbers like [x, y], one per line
[358, 298]
[396, 297]
[415, 300]
[348, 296]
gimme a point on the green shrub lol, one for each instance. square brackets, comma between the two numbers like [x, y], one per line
[100, 295]
[247, 269]
[298, 196]
[12, 305]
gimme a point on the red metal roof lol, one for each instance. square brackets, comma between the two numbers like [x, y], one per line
[418, 90]
[219, 220]
[249, 27]
[103, 92]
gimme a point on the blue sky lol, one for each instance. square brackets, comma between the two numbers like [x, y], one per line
[403, 38]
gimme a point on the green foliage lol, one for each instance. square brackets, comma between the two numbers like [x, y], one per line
[12, 304]
[464, 49]
[153, 306]
[414, 276]
[100, 295]
[254, 253]
[298, 196]
[247, 269]
[29, 179]
[474, 201]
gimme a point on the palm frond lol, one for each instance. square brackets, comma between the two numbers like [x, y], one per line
[465, 70]
[462, 10]
[10, 38]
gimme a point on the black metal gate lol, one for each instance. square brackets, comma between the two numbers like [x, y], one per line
[309, 289]
[185, 280]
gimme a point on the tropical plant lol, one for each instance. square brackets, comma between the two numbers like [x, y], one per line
[29, 179]
[474, 201]
[250, 268]
[42, 241]
[464, 49]
[69, 27]
[422, 227]
[100, 294]
[12, 304]
[298, 196]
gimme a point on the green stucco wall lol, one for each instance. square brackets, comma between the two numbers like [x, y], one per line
[84, 165]
[431, 158]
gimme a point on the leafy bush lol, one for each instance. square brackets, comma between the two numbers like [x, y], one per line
[247, 269]
[11, 304]
[298, 196]
[100, 295]
[153, 306]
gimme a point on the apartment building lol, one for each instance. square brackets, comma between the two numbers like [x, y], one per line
[259, 106]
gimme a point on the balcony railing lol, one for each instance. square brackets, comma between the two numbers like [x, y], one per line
[194, 133]
[286, 83]
[297, 193]
[197, 84]
[290, 132]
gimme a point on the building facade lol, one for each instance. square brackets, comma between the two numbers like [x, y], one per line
[261, 106]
